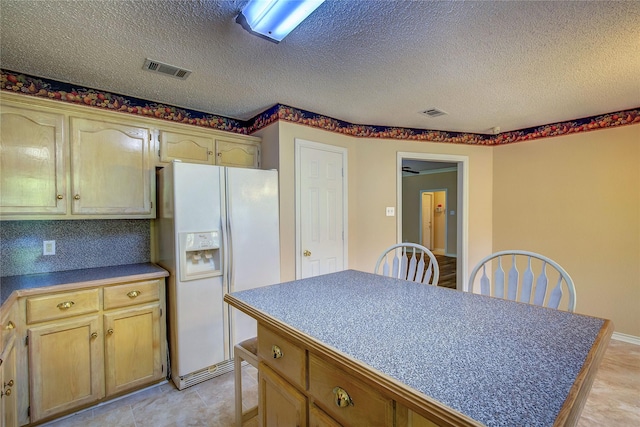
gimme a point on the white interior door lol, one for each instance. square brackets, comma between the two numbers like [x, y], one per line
[320, 209]
[426, 219]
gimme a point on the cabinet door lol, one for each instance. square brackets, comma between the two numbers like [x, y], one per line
[66, 367]
[280, 404]
[132, 348]
[238, 154]
[111, 169]
[32, 162]
[8, 382]
[188, 147]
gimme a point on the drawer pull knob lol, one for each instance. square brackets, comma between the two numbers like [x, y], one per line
[134, 294]
[76, 197]
[10, 325]
[65, 305]
[94, 335]
[59, 196]
[277, 352]
[342, 398]
[9, 384]
[110, 331]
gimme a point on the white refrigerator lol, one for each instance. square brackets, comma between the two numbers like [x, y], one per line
[217, 232]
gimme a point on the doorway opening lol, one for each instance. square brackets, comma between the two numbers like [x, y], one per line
[423, 173]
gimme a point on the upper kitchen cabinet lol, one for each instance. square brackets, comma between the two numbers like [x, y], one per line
[186, 146]
[237, 152]
[111, 168]
[208, 147]
[32, 161]
[62, 161]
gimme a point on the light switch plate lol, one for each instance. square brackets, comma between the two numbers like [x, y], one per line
[391, 211]
[49, 247]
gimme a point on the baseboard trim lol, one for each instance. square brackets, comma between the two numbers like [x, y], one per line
[626, 338]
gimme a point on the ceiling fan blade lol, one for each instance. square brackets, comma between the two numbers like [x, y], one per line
[408, 169]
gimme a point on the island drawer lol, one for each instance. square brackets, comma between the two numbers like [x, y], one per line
[131, 294]
[367, 407]
[65, 304]
[283, 356]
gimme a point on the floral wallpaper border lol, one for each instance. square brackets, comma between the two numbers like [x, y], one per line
[29, 85]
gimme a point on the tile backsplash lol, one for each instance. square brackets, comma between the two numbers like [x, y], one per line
[78, 244]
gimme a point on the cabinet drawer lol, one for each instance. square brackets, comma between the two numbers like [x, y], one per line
[369, 407]
[291, 364]
[131, 294]
[67, 304]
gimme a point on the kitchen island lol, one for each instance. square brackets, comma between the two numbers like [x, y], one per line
[439, 355]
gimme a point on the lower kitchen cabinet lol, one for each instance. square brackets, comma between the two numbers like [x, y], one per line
[65, 366]
[132, 348]
[90, 344]
[8, 381]
[298, 387]
[280, 403]
[318, 418]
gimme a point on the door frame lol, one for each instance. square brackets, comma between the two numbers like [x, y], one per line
[299, 144]
[463, 205]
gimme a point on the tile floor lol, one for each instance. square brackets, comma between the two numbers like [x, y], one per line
[614, 400]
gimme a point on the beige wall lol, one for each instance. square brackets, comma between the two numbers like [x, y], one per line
[371, 174]
[576, 199]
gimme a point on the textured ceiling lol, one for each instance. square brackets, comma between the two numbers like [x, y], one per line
[507, 64]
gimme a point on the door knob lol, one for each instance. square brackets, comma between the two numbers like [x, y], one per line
[306, 253]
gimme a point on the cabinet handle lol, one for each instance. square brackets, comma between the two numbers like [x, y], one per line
[94, 335]
[59, 197]
[10, 325]
[76, 197]
[342, 398]
[6, 393]
[110, 331]
[277, 352]
[134, 294]
[306, 252]
[9, 384]
[65, 305]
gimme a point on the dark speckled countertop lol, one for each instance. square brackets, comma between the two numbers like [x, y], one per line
[499, 362]
[89, 275]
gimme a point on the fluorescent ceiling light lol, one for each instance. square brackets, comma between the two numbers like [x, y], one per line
[274, 19]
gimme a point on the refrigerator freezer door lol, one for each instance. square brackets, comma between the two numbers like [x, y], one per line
[254, 237]
[198, 322]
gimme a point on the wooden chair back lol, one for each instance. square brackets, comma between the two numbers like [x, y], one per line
[409, 261]
[501, 278]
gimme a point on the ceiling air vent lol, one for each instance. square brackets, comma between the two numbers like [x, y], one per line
[169, 70]
[433, 112]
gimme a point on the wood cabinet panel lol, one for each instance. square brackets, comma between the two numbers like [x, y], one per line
[8, 385]
[318, 418]
[61, 305]
[189, 147]
[368, 406]
[280, 404]
[132, 348]
[32, 161]
[238, 154]
[111, 168]
[292, 361]
[65, 366]
[131, 294]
